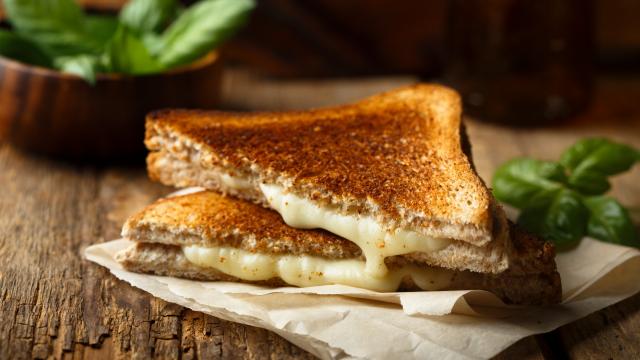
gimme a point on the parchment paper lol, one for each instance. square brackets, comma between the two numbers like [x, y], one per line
[342, 322]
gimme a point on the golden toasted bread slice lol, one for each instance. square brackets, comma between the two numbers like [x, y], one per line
[390, 167]
[208, 236]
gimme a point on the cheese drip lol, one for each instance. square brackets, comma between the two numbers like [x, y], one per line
[305, 270]
[376, 242]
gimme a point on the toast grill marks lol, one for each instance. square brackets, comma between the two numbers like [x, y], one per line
[396, 156]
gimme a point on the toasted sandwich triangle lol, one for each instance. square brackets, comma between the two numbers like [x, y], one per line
[396, 157]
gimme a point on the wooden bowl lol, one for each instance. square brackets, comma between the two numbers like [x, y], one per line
[61, 115]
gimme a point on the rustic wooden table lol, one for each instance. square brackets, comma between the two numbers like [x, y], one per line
[55, 304]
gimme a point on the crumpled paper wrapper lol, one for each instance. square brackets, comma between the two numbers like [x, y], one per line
[344, 322]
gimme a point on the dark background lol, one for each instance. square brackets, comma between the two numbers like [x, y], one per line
[318, 38]
[334, 37]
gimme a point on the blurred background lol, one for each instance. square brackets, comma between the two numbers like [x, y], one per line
[363, 37]
[535, 59]
[515, 62]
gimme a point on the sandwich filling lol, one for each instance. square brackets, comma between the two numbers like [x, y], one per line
[305, 270]
[375, 242]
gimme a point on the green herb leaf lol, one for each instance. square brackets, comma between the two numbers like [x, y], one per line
[557, 215]
[591, 161]
[519, 180]
[126, 53]
[57, 26]
[85, 66]
[84, 44]
[153, 42]
[101, 27]
[556, 199]
[201, 28]
[17, 48]
[143, 16]
[610, 221]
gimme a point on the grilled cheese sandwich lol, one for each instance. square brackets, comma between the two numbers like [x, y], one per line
[388, 173]
[208, 236]
[380, 194]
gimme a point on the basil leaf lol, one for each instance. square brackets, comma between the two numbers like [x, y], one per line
[201, 28]
[591, 161]
[610, 221]
[590, 183]
[518, 180]
[557, 215]
[144, 16]
[57, 26]
[127, 54]
[153, 43]
[85, 66]
[101, 27]
[17, 48]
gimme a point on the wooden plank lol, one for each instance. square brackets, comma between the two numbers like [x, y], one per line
[54, 304]
[613, 333]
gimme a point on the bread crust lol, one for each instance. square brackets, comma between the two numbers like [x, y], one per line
[396, 156]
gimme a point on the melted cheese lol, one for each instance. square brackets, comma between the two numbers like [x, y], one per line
[376, 242]
[234, 182]
[304, 270]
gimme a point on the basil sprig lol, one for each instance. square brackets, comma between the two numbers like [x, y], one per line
[148, 36]
[564, 201]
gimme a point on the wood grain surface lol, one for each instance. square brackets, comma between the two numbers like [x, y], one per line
[54, 304]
